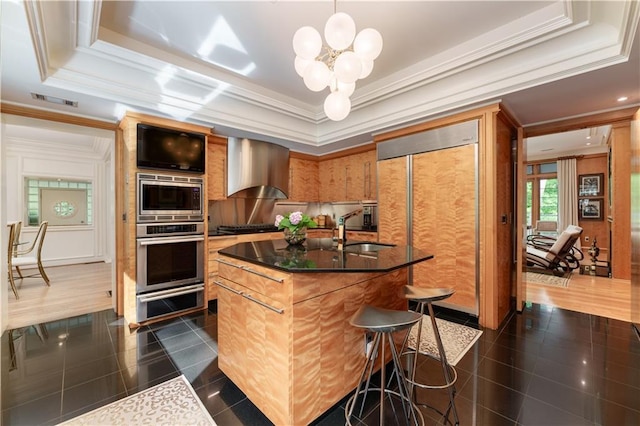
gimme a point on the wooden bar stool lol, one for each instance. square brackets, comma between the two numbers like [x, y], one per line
[425, 297]
[384, 322]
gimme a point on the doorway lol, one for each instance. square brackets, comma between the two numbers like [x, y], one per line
[589, 140]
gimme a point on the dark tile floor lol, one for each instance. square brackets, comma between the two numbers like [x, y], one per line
[546, 366]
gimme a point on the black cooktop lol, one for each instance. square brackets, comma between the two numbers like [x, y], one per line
[247, 229]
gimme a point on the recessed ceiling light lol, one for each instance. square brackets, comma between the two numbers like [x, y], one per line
[588, 143]
[622, 98]
[589, 137]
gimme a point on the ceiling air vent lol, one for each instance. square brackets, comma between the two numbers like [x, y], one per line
[54, 100]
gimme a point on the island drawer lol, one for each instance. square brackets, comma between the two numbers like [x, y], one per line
[266, 281]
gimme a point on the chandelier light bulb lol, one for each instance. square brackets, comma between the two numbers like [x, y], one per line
[307, 43]
[339, 31]
[347, 67]
[367, 67]
[345, 88]
[301, 65]
[317, 76]
[337, 106]
[368, 44]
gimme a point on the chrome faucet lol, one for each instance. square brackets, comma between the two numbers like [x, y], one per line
[342, 223]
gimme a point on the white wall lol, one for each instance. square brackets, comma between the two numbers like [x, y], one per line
[37, 148]
[4, 289]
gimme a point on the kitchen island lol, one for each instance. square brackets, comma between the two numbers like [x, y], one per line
[283, 319]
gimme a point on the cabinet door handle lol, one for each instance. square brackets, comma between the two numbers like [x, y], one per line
[260, 274]
[261, 303]
[252, 271]
[232, 290]
[221, 260]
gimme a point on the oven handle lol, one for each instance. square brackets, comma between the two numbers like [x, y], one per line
[168, 240]
[170, 293]
[252, 271]
[248, 296]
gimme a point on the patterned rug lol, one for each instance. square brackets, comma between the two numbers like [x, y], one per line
[457, 339]
[173, 402]
[532, 277]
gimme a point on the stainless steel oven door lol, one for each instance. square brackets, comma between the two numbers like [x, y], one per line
[166, 262]
[166, 302]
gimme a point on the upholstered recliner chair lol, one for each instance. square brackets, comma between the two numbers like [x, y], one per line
[557, 255]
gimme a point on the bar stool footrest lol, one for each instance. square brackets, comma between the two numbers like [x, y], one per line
[353, 398]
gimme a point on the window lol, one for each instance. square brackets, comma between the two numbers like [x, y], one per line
[67, 202]
[542, 193]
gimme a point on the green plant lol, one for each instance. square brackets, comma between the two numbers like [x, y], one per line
[294, 221]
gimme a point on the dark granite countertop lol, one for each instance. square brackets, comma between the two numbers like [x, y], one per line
[215, 233]
[321, 255]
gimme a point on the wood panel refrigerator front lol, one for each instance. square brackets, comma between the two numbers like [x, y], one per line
[444, 221]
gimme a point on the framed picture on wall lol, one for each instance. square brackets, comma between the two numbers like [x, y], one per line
[590, 209]
[591, 185]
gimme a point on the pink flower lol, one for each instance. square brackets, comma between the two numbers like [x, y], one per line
[295, 218]
[279, 219]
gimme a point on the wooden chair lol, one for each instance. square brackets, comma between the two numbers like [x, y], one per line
[10, 253]
[27, 257]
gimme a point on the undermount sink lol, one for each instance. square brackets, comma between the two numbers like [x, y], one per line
[366, 247]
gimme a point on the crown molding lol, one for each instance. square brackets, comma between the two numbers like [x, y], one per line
[561, 40]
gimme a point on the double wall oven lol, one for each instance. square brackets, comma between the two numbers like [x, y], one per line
[170, 241]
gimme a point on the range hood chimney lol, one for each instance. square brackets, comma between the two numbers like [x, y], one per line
[257, 169]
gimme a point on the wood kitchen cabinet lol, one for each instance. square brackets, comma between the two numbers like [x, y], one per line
[362, 236]
[304, 181]
[125, 188]
[319, 233]
[349, 178]
[361, 176]
[217, 243]
[332, 179]
[216, 168]
[291, 332]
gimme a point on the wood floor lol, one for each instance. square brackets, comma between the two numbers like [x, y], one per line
[75, 290]
[81, 289]
[607, 297]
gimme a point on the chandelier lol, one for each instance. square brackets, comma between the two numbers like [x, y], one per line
[338, 64]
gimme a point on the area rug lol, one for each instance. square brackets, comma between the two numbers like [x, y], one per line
[532, 277]
[457, 339]
[173, 402]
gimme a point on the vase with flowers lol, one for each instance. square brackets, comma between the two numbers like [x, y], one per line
[294, 225]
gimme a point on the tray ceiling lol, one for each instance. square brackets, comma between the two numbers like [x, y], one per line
[229, 65]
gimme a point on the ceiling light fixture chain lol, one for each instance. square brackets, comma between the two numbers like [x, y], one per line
[347, 57]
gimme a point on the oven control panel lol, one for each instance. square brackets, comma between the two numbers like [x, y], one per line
[169, 229]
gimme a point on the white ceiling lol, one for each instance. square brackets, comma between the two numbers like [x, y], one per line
[545, 60]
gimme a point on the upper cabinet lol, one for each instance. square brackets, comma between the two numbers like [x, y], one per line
[349, 178]
[216, 167]
[303, 180]
[361, 176]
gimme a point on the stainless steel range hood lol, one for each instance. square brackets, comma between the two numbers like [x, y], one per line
[257, 169]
